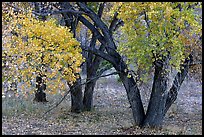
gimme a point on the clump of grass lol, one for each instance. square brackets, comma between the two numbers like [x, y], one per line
[15, 106]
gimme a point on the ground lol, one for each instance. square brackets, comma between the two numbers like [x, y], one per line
[111, 113]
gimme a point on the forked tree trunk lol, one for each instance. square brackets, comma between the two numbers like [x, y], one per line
[159, 103]
[161, 100]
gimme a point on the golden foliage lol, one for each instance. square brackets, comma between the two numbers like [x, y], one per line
[40, 47]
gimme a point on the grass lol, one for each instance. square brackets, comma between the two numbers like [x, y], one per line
[15, 106]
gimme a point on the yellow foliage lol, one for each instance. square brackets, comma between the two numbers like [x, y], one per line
[157, 28]
[40, 46]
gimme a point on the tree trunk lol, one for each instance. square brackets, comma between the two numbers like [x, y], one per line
[76, 97]
[155, 111]
[92, 65]
[134, 98]
[88, 95]
[178, 80]
[76, 89]
[40, 96]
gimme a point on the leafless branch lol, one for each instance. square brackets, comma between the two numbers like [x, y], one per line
[57, 104]
[48, 12]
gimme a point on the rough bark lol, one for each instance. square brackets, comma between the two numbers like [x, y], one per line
[178, 80]
[88, 95]
[76, 96]
[89, 87]
[92, 63]
[134, 98]
[155, 111]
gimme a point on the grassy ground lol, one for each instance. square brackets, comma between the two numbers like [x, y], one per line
[111, 115]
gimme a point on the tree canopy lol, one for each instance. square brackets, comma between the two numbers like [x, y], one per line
[155, 29]
[44, 48]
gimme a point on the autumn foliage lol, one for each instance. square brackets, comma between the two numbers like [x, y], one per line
[157, 29]
[32, 47]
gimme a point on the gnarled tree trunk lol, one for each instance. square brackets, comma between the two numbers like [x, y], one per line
[161, 99]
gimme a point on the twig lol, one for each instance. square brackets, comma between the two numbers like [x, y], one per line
[48, 12]
[57, 104]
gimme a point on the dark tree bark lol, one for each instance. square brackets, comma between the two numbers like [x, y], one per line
[89, 87]
[76, 89]
[40, 96]
[88, 95]
[134, 98]
[178, 80]
[76, 96]
[160, 99]
[116, 60]
[92, 64]
[155, 111]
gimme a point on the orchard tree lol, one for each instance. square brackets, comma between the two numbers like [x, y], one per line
[41, 48]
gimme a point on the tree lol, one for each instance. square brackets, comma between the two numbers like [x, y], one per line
[93, 63]
[163, 35]
[155, 36]
[162, 40]
[41, 48]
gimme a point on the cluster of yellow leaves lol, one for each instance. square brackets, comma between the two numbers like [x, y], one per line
[42, 47]
[157, 28]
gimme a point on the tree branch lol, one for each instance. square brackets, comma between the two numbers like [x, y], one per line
[100, 10]
[99, 23]
[178, 80]
[49, 12]
[99, 53]
[57, 104]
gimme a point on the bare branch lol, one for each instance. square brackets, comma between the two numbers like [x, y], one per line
[48, 13]
[57, 104]
[99, 53]
[114, 22]
[99, 23]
